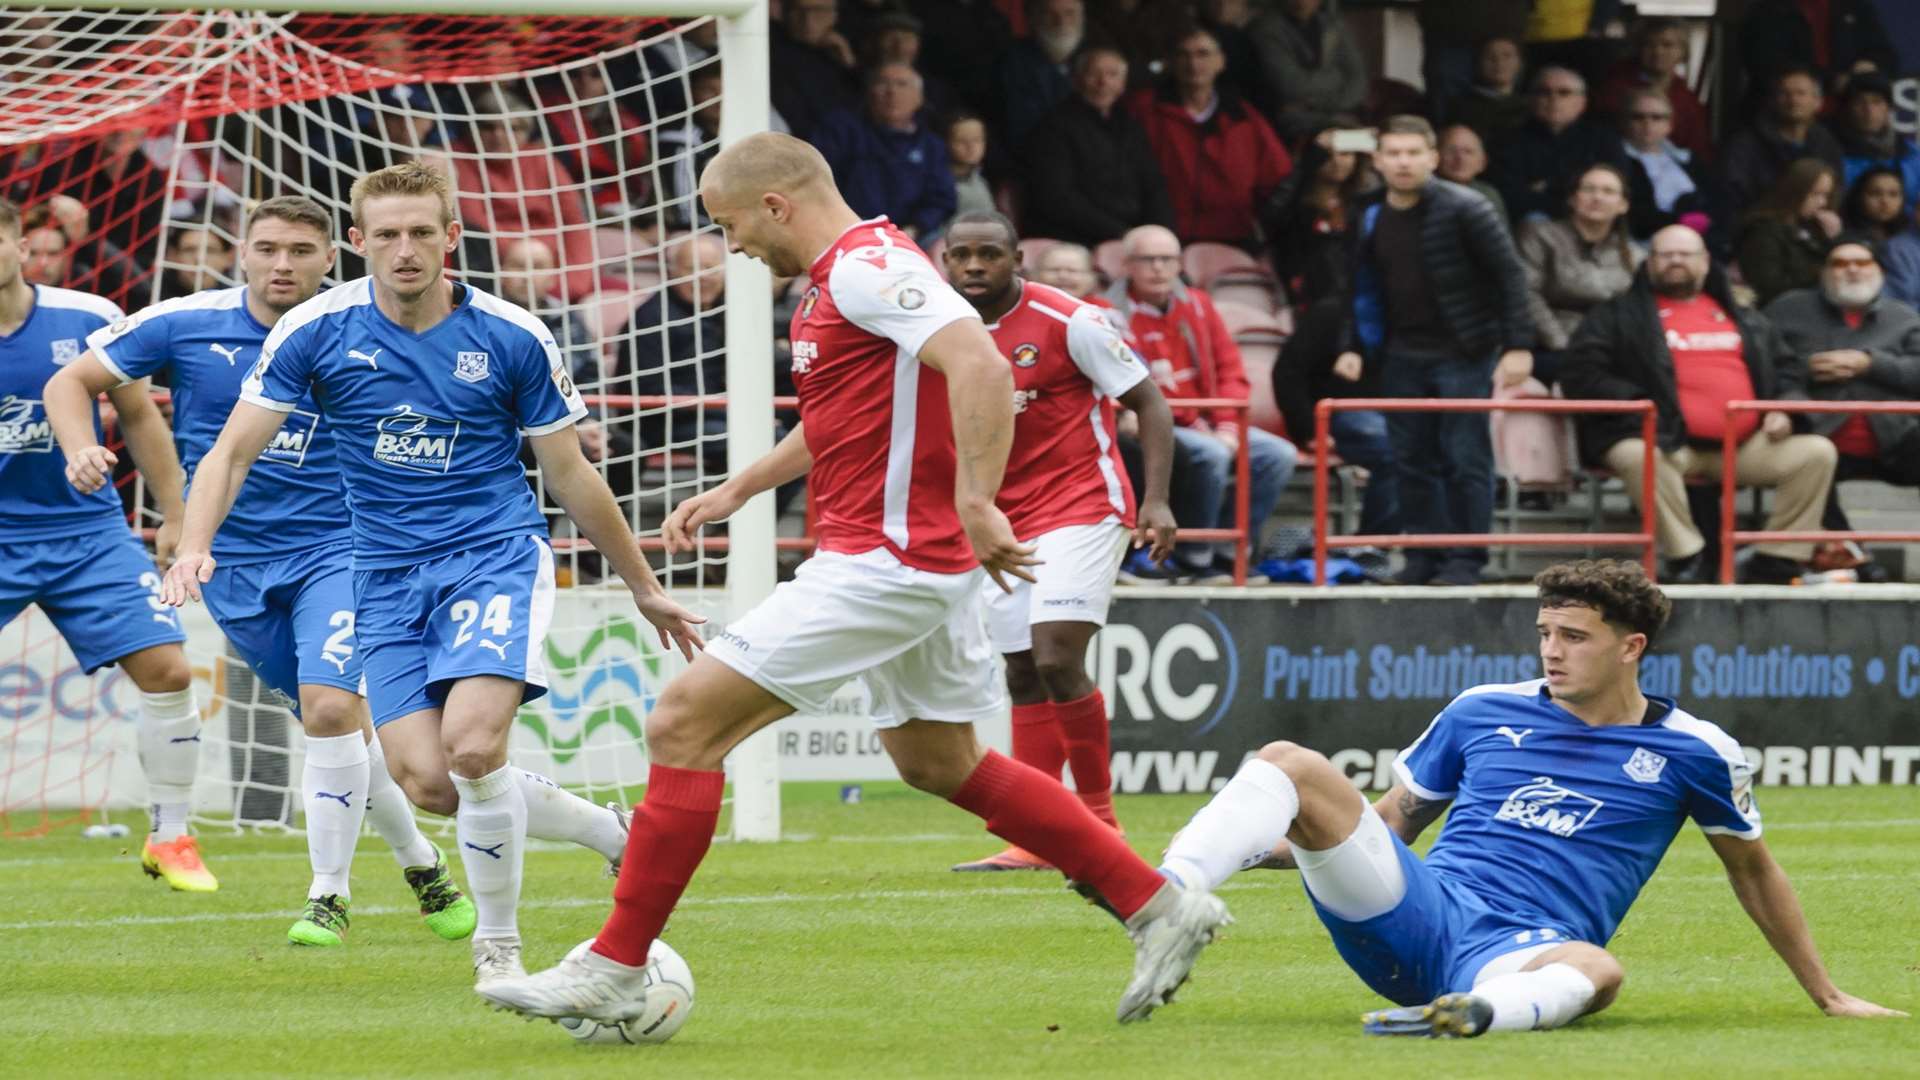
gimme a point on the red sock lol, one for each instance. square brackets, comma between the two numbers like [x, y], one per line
[1037, 738]
[1083, 725]
[1023, 807]
[672, 830]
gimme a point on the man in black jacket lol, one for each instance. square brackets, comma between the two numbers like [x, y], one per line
[1677, 338]
[1438, 295]
[1790, 129]
[1092, 174]
[1537, 166]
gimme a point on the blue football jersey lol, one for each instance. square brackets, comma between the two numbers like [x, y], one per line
[207, 342]
[427, 426]
[1564, 821]
[36, 501]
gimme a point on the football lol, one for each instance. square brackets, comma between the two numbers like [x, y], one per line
[669, 998]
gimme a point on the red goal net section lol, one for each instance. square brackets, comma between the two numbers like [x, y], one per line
[136, 140]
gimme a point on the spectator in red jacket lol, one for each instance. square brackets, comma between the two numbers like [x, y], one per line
[1192, 354]
[1656, 66]
[511, 186]
[1219, 157]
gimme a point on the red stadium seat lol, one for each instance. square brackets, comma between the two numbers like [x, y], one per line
[1251, 325]
[1262, 411]
[1206, 263]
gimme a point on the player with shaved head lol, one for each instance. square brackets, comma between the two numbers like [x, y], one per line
[906, 420]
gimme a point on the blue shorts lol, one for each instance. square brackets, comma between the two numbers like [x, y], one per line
[101, 591]
[482, 611]
[1437, 938]
[291, 619]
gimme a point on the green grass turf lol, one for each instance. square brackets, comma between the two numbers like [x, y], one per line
[851, 951]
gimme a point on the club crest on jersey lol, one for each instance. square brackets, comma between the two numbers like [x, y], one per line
[1026, 354]
[66, 350]
[807, 302]
[415, 442]
[1645, 765]
[1549, 807]
[22, 429]
[470, 366]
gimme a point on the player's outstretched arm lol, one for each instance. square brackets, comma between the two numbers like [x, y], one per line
[583, 493]
[216, 484]
[787, 462]
[1155, 524]
[980, 396]
[1770, 902]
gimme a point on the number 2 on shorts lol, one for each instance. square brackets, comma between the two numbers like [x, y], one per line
[497, 620]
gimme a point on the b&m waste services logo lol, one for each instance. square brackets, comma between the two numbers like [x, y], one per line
[611, 680]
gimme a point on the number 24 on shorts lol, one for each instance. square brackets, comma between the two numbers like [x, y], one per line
[497, 620]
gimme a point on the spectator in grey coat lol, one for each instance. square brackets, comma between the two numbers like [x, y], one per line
[1314, 73]
[1858, 344]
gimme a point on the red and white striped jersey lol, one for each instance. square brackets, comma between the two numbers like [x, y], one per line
[876, 418]
[1069, 363]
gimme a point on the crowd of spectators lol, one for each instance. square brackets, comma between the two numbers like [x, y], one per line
[1556, 212]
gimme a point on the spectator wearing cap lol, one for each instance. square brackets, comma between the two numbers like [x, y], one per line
[1314, 72]
[885, 158]
[1091, 172]
[1788, 229]
[1867, 136]
[1035, 71]
[810, 65]
[1858, 344]
[1755, 156]
[1659, 54]
[1219, 158]
[1535, 168]
[1677, 338]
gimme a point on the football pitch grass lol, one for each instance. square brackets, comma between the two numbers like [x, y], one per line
[852, 951]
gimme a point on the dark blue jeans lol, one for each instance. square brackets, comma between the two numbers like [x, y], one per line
[1445, 459]
[1360, 438]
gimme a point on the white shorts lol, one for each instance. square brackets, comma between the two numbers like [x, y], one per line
[1078, 564]
[914, 635]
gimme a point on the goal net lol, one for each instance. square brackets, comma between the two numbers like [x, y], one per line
[136, 141]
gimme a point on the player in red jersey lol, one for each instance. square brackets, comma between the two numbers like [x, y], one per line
[1067, 494]
[906, 417]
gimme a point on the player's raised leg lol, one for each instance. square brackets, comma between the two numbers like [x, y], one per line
[170, 757]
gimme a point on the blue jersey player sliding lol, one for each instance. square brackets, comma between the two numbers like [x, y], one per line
[286, 599]
[1566, 792]
[69, 551]
[429, 387]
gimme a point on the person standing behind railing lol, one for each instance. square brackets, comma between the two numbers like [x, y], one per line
[1859, 344]
[1440, 303]
[1678, 339]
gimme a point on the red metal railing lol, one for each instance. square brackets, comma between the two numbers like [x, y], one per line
[1731, 538]
[1323, 447]
[1239, 535]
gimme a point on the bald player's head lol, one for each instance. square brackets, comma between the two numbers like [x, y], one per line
[763, 188]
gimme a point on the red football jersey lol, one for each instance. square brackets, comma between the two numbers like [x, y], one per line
[876, 418]
[1069, 363]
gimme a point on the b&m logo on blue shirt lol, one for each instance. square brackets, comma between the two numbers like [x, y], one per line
[416, 441]
[1550, 807]
[23, 429]
[290, 443]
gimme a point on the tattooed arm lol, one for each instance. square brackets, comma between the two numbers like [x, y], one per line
[1404, 812]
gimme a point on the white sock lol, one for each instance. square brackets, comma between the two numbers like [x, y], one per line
[554, 813]
[492, 827]
[1237, 830]
[1536, 1000]
[333, 786]
[391, 815]
[170, 756]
